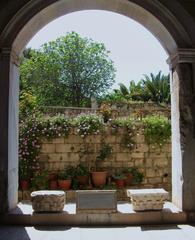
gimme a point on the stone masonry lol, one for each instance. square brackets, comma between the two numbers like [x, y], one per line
[155, 163]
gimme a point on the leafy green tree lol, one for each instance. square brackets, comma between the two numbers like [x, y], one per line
[68, 71]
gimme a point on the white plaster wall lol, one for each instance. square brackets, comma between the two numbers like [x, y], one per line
[13, 137]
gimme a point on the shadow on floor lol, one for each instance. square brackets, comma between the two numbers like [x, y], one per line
[16, 210]
[52, 228]
[161, 227]
[59, 213]
[13, 232]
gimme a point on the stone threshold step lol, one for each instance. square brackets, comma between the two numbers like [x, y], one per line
[86, 219]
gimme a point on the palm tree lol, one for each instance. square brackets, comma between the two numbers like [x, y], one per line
[158, 87]
[123, 90]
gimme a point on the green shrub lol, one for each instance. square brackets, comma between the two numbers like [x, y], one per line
[128, 138]
[81, 170]
[27, 104]
[157, 130]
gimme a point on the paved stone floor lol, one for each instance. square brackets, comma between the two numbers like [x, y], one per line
[158, 232]
[25, 207]
[168, 232]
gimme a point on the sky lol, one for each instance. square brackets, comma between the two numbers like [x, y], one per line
[134, 50]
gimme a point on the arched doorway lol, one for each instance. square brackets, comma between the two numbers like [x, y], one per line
[157, 18]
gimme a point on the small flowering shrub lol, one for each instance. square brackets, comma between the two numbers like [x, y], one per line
[32, 130]
[157, 130]
[89, 124]
[29, 147]
[56, 126]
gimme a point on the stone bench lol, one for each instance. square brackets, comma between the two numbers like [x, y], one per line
[48, 201]
[96, 201]
[147, 199]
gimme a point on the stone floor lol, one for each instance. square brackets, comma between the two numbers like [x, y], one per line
[158, 232]
[25, 207]
[168, 232]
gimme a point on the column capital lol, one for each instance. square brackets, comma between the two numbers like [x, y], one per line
[15, 59]
[8, 53]
[181, 55]
[5, 52]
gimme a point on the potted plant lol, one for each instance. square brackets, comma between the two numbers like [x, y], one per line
[53, 183]
[137, 175]
[98, 176]
[65, 178]
[82, 175]
[24, 175]
[128, 176]
[40, 180]
[119, 178]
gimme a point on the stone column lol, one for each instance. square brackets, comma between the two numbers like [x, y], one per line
[4, 101]
[13, 132]
[8, 130]
[183, 128]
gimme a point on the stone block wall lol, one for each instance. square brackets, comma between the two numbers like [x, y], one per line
[136, 109]
[155, 163]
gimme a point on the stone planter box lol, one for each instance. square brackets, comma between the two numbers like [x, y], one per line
[147, 199]
[48, 201]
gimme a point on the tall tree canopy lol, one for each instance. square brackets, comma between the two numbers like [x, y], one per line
[68, 71]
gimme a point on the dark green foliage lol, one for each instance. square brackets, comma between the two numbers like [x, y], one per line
[67, 173]
[40, 180]
[81, 170]
[155, 88]
[118, 174]
[137, 175]
[104, 152]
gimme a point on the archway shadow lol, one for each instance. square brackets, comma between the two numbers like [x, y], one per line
[160, 227]
[10, 232]
[52, 228]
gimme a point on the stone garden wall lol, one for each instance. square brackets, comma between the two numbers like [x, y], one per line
[155, 163]
[136, 109]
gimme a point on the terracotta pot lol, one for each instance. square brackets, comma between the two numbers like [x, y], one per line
[99, 179]
[53, 184]
[128, 179]
[64, 184]
[52, 177]
[120, 183]
[83, 180]
[24, 185]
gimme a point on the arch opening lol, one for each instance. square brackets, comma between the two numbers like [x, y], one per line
[41, 13]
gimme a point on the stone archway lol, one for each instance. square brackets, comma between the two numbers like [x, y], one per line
[175, 35]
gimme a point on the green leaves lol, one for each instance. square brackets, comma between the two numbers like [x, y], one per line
[68, 71]
[157, 87]
[157, 130]
[151, 88]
